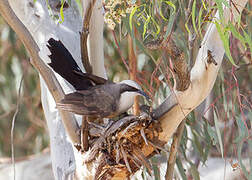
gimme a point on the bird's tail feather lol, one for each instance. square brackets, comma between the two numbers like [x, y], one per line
[64, 64]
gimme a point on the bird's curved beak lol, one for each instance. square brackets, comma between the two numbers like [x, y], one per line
[144, 94]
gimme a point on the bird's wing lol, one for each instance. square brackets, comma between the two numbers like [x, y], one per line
[63, 63]
[94, 102]
[95, 79]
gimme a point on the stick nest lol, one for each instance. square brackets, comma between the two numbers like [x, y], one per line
[121, 145]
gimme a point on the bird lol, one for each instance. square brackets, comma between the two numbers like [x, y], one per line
[94, 96]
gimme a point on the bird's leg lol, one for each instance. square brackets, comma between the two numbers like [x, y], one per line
[84, 134]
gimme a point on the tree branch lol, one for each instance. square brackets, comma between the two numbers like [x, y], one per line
[133, 70]
[84, 36]
[48, 76]
[174, 149]
[170, 113]
[202, 78]
[95, 37]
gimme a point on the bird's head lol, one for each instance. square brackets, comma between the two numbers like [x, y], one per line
[129, 90]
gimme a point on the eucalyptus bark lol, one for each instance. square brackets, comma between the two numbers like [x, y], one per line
[65, 159]
[34, 30]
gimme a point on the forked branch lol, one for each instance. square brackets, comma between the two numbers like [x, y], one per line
[202, 79]
[52, 83]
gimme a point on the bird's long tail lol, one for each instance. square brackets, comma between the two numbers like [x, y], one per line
[64, 64]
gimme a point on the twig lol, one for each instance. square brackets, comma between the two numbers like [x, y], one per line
[120, 52]
[125, 158]
[117, 152]
[129, 127]
[110, 129]
[84, 35]
[173, 152]
[133, 71]
[191, 37]
[6, 114]
[143, 136]
[139, 155]
[52, 83]
[12, 128]
[189, 9]
[101, 162]
[158, 146]
[84, 134]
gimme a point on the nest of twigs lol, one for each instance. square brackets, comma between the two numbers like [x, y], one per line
[121, 145]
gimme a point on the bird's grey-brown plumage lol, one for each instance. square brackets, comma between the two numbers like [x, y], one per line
[95, 96]
[97, 101]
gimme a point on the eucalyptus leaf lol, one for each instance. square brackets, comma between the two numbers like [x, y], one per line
[194, 15]
[194, 171]
[216, 123]
[224, 35]
[181, 168]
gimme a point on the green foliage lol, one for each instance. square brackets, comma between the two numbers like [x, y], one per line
[181, 169]
[145, 17]
[217, 129]
[207, 138]
[219, 4]
[193, 16]
[59, 17]
[223, 135]
[61, 11]
[224, 35]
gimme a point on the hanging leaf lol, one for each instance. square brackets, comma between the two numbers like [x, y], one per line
[193, 16]
[169, 3]
[216, 123]
[181, 168]
[199, 23]
[146, 26]
[197, 144]
[170, 25]
[212, 134]
[220, 4]
[156, 26]
[204, 5]
[237, 35]
[224, 35]
[239, 152]
[61, 11]
[194, 172]
[248, 39]
[131, 16]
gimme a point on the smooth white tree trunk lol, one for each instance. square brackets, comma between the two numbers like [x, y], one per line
[37, 20]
